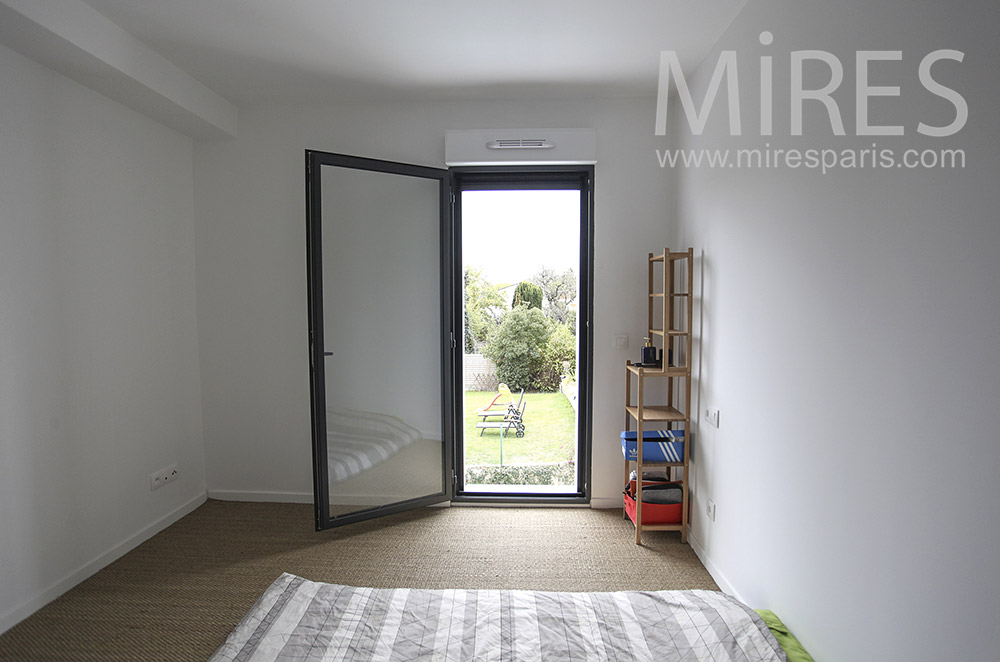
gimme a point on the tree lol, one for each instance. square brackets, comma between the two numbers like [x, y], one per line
[530, 350]
[558, 357]
[559, 291]
[484, 308]
[517, 347]
[528, 294]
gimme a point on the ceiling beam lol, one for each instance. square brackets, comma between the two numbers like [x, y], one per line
[75, 40]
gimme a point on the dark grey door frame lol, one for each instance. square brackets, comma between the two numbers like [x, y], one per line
[533, 177]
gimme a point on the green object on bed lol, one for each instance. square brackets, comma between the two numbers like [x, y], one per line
[793, 649]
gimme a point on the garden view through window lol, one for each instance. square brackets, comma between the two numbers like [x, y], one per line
[521, 262]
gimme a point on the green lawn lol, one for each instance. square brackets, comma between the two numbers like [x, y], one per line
[549, 432]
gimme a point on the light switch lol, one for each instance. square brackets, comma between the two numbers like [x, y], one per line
[619, 341]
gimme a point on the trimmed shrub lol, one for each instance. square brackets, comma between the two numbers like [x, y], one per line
[561, 473]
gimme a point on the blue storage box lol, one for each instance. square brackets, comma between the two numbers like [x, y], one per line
[657, 445]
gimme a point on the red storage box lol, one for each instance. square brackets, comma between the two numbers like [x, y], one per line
[653, 513]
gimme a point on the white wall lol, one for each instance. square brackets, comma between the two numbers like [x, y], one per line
[99, 382]
[849, 339]
[249, 197]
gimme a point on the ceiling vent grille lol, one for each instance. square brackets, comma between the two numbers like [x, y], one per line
[520, 143]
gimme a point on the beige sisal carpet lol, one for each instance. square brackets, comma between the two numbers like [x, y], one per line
[177, 596]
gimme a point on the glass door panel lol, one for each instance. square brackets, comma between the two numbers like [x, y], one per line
[376, 269]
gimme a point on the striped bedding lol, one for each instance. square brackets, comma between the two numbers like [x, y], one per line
[358, 440]
[302, 621]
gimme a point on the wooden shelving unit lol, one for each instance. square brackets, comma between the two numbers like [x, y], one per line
[669, 316]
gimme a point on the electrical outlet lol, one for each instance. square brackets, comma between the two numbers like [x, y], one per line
[711, 510]
[712, 417]
[158, 479]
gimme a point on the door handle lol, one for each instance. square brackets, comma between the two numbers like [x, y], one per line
[327, 353]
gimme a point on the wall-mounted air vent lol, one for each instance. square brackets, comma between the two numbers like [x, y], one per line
[520, 143]
[524, 146]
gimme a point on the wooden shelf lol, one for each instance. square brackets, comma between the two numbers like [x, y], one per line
[650, 463]
[670, 332]
[662, 527]
[656, 413]
[670, 256]
[671, 371]
[673, 278]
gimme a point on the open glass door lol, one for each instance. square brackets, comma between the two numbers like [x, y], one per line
[379, 253]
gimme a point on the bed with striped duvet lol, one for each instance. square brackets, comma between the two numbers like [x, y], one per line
[297, 620]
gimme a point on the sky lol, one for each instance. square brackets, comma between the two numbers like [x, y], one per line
[510, 235]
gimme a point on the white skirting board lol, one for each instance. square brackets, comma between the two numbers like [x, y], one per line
[724, 585]
[261, 497]
[717, 575]
[25, 609]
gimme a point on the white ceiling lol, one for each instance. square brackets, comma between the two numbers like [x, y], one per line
[250, 51]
